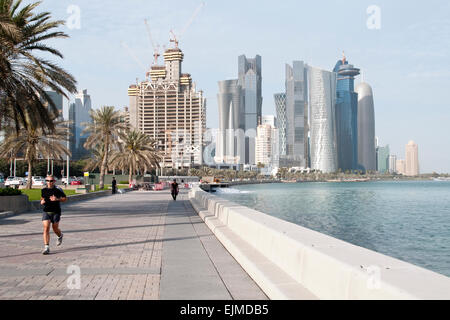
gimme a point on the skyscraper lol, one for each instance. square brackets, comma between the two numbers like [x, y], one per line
[366, 128]
[264, 145]
[57, 99]
[168, 108]
[250, 80]
[400, 165]
[230, 138]
[322, 96]
[392, 163]
[383, 159]
[280, 105]
[79, 113]
[270, 120]
[296, 114]
[412, 159]
[346, 116]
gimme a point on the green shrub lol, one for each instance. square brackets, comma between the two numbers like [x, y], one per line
[123, 182]
[10, 192]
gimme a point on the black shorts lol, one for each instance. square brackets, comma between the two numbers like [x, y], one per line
[52, 216]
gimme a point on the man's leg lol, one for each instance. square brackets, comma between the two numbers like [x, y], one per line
[56, 229]
[46, 225]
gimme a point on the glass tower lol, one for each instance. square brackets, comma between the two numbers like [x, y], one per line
[280, 104]
[250, 79]
[383, 159]
[346, 116]
[296, 113]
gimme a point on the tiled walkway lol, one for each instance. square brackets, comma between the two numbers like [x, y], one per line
[138, 245]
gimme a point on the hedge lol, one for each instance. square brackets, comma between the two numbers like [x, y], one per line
[10, 192]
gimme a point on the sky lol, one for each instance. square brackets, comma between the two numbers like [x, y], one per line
[401, 47]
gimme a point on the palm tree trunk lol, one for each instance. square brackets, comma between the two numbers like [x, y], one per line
[30, 176]
[104, 163]
[130, 174]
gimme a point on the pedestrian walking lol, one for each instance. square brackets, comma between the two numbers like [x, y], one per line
[174, 189]
[51, 196]
[114, 185]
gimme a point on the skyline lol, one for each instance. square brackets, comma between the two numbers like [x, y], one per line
[405, 61]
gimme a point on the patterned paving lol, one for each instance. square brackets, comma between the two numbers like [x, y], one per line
[138, 245]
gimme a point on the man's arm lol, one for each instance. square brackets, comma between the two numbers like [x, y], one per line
[62, 196]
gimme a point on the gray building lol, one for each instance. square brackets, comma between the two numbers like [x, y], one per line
[230, 148]
[250, 80]
[322, 96]
[57, 100]
[366, 128]
[280, 105]
[383, 159]
[296, 112]
[79, 113]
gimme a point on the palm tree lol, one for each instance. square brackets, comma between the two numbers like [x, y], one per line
[194, 172]
[23, 74]
[136, 151]
[96, 159]
[206, 172]
[33, 143]
[106, 126]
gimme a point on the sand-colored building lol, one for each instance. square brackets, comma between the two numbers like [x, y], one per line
[169, 109]
[400, 166]
[412, 159]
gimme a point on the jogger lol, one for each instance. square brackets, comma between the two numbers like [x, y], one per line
[51, 196]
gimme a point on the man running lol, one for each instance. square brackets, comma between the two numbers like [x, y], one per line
[174, 189]
[51, 196]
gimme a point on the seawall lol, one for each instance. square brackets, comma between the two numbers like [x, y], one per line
[292, 262]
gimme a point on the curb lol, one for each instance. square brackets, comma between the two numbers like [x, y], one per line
[6, 214]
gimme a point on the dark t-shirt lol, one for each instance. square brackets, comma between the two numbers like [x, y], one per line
[52, 206]
[174, 187]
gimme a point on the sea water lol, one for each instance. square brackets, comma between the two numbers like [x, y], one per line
[408, 220]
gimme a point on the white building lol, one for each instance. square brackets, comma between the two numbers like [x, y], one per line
[392, 163]
[263, 144]
[322, 96]
[270, 120]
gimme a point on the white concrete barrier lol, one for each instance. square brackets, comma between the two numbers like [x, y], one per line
[292, 262]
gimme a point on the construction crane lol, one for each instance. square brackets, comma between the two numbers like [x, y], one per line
[132, 55]
[174, 38]
[156, 54]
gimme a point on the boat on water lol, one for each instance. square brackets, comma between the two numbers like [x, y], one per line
[442, 179]
[349, 180]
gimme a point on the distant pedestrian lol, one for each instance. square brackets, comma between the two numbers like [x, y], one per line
[174, 189]
[114, 185]
[51, 196]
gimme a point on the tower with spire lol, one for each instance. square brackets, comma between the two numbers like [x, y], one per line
[346, 115]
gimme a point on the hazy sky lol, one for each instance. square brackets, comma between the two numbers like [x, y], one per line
[406, 60]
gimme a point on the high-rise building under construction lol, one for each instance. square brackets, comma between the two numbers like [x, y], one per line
[168, 108]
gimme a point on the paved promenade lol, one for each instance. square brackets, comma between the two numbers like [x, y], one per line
[138, 245]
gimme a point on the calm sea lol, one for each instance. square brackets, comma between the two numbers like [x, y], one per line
[408, 220]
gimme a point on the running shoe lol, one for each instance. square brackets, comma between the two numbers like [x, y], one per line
[46, 251]
[59, 241]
